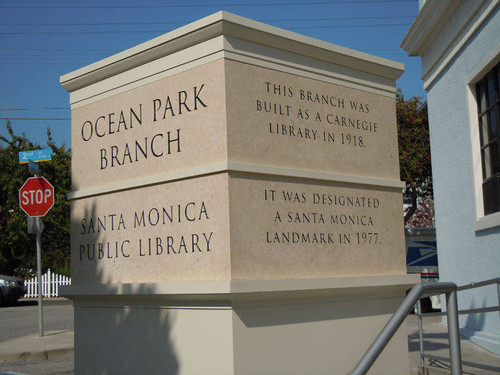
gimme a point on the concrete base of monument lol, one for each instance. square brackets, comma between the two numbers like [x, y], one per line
[303, 326]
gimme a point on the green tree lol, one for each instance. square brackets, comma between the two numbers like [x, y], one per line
[414, 150]
[17, 247]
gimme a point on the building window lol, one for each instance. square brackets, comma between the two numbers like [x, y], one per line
[488, 101]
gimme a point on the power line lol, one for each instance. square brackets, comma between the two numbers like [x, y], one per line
[37, 118]
[36, 62]
[350, 26]
[77, 64]
[33, 109]
[184, 22]
[59, 49]
[116, 51]
[163, 31]
[204, 5]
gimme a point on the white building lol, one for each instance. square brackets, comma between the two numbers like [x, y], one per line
[459, 43]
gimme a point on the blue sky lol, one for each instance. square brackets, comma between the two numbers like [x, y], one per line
[40, 41]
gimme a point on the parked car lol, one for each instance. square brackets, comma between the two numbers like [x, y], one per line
[11, 289]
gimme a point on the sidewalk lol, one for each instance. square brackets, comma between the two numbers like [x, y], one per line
[33, 347]
[436, 343]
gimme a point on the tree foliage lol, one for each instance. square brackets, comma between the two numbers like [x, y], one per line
[17, 247]
[414, 151]
[424, 216]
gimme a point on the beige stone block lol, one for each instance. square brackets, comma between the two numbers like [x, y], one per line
[168, 125]
[288, 120]
[319, 326]
[166, 232]
[237, 226]
[152, 340]
[226, 111]
[289, 228]
[236, 132]
[321, 337]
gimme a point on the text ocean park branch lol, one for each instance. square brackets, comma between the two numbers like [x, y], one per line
[158, 145]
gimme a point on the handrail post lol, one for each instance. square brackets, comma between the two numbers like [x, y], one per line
[498, 294]
[453, 333]
[397, 318]
[420, 333]
[388, 331]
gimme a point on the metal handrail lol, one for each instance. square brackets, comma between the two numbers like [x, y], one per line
[414, 296]
[419, 290]
[423, 355]
[496, 280]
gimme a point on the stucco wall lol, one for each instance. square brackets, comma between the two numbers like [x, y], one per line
[464, 255]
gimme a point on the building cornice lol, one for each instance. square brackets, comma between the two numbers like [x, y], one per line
[429, 22]
[442, 29]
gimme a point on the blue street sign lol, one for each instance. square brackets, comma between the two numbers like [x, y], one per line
[35, 155]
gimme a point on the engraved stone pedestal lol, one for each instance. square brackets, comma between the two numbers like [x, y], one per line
[236, 205]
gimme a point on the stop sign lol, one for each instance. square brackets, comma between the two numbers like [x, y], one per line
[36, 196]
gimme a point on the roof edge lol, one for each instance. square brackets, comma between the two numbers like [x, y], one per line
[429, 21]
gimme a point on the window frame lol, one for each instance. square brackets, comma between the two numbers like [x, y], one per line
[488, 221]
[488, 103]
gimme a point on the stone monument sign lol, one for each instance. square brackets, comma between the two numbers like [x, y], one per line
[236, 198]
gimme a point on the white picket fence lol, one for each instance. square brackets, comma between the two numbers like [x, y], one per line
[50, 285]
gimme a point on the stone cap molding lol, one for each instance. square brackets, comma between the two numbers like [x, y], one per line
[233, 28]
[222, 293]
[228, 167]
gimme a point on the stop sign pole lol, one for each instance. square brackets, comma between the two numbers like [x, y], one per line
[39, 274]
[36, 198]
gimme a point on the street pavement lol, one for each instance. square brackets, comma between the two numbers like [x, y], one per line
[22, 319]
[53, 354]
[22, 351]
